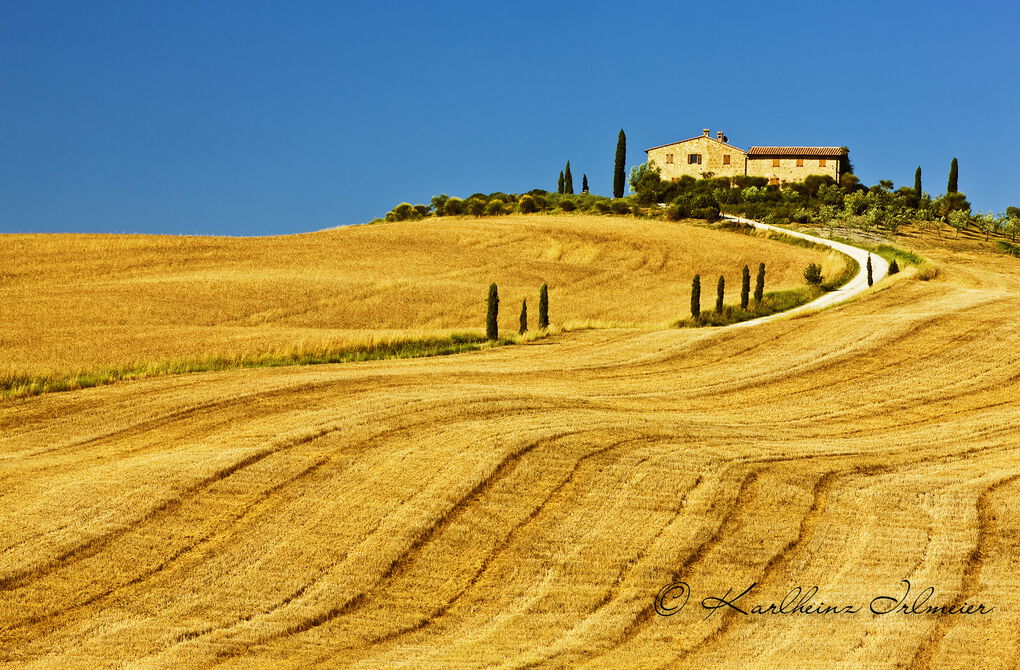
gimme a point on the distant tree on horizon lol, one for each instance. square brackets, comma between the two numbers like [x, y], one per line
[524, 317]
[568, 180]
[543, 306]
[559, 184]
[745, 287]
[619, 170]
[954, 177]
[917, 181]
[492, 315]
[696, 296]
[584, 183]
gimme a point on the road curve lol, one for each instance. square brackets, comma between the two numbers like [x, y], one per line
[859, 284]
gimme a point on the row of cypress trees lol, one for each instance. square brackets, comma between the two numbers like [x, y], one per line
[565, 184]
[745, 291]
[492, 313]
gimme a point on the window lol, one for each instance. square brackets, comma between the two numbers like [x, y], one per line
[774, 181]
[821, 162]
[726, 159]
[775, 162]
[800, 162]
[669, 158]
[694, 159]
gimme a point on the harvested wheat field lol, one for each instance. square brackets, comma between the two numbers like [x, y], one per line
[80, 302]
[522, 506]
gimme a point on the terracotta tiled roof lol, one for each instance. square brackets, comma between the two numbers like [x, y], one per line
[796, 151]
[699, 137]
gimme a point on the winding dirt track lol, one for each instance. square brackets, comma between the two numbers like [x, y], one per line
[521, 507]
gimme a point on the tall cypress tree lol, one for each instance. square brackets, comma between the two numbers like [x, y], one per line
[954, 175]
[619, 176]
[720, 292]
[917, 181]
[871, 279]
[568, 180]
[696, 296]
[759, 284]
[524, 317]
[492, 316]
[559, 184]
[543, 307]
[584, 183]
[745, 287]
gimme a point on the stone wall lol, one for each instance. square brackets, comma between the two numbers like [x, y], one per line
[792, 168]
[673, 159]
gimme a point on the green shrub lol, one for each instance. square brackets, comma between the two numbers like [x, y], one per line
[495, 208]
[567, 205]
[475, 206]
[894, 267]
[603, 206]
[619, 206]
[527, 205]
[813, 274]
[405, 211]
[454, 207]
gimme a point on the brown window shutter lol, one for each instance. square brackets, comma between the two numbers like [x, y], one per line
[775, 162]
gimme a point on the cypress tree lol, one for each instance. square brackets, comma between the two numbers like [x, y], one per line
[492, 316]
[954, 174]
[559, 184]
[543, 307]
[759, 284]
[719, 294]
[871, 279]
[917, 181]
[619, 178]
[524, 317]
[568, 180]
[894, 267]
[584, 183]
[745, 288]
[696, 297]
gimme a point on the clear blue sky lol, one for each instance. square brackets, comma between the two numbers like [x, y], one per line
[257, 117]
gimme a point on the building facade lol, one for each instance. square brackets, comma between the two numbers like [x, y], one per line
[707, 156]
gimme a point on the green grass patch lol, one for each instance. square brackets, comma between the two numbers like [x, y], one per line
[772, 302]
[16, 386]
[1008, 248]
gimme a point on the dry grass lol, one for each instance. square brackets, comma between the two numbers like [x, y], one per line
[84, 302]
[521, 506]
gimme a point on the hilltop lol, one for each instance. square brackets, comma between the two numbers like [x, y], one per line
[83, 301]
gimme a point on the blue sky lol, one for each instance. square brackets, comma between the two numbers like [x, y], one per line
[253, 118]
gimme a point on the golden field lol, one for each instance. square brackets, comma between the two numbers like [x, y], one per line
[521, 506]
[74, 302]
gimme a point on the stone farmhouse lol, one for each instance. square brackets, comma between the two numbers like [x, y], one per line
[714, 156]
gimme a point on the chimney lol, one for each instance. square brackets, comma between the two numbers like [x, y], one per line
[719, 136]
[707, 132]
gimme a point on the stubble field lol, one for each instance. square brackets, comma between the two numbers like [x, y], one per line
[81, 302]
[522, 506]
